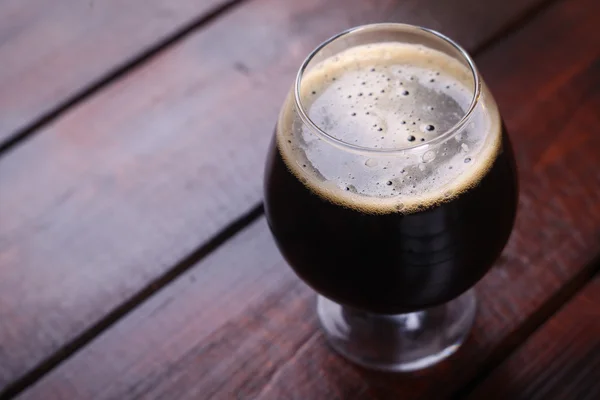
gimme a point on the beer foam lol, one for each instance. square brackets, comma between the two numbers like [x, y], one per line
[389, 96]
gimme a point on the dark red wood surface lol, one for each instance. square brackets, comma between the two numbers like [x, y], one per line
[560, 361]
[53, 50]
[239, 323]
[101, 204]
[145, 130]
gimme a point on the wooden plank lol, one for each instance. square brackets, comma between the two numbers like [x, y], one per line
[183, 345]
[104, 201]
[229, 283]
[53, 50]
[561, 361]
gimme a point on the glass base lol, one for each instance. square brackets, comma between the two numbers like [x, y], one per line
[402, 342]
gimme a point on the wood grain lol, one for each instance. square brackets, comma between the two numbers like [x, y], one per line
[104, 201]
[53, 50]
[262, 341]
[561, 361]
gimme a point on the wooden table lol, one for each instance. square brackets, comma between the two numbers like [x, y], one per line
[135, 261]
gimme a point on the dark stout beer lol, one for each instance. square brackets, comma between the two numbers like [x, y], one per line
[370, 219]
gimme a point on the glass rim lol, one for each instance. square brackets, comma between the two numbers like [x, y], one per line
[388, 151]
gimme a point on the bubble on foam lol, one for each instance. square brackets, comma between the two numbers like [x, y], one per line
[428, 156]
[388, 121]
[371, 162]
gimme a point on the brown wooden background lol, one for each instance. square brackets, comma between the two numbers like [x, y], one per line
[134, 258]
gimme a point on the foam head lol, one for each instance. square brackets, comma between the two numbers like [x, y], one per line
[384, 97]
